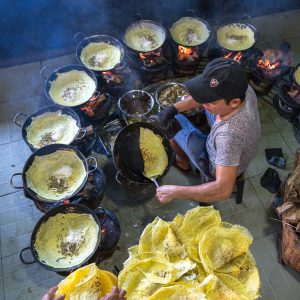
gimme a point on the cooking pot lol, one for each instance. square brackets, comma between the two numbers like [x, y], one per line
[28, 120]
[144, 36]
[237, 36]
[190, 31]
[64, 209]
[96, 39]
[90, 161]
[135, 105]
[127, 156]
[64, 71]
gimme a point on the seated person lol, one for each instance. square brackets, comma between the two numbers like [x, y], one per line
[230, 104]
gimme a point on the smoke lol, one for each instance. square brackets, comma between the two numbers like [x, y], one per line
[30, 28]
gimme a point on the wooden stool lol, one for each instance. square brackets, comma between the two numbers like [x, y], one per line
[239, 183]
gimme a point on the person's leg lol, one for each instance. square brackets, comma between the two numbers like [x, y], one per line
[182, 160]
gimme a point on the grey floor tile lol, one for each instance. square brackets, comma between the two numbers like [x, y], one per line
[264, 195]
[57, 62]
[265, 253]
[271, 138]
[20, 81]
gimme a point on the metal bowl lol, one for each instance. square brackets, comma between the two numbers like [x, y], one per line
[170, 85]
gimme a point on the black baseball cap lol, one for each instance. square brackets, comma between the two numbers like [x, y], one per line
[222, 78]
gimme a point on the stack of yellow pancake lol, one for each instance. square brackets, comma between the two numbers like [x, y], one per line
[87, 283]
[196, 256]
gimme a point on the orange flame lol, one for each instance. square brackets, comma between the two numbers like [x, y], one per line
[184, 53]
[237, 57]
[267, 65]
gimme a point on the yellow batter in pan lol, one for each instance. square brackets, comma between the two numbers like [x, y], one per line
[72, 88]
[154, 154]
[100, 56]
[189, 32]
[57, 175]
[66, 240]
[51, 128]
[235, 37]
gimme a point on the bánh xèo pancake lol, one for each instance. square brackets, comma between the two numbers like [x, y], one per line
[72, 88]
[51, 128]
[297, 75]
[144, 38]
[100, 56]
[189, 31]
[56, 176]
[154, 154]
[66, 240]
[235, 37]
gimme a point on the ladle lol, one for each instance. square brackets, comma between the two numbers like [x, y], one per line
[153, 179]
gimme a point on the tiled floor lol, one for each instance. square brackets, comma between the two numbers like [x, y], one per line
[21, 90]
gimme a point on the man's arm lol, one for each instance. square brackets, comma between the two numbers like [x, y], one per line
[217, 190]
[186, 104]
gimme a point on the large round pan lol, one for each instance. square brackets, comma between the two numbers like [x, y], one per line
[90, 161]
[231, 38]
[187, 24]
[127, 155]
[62, 209]
[63, 70]
[296, 75]
[24, 121]
[152, 30]
[99, 39]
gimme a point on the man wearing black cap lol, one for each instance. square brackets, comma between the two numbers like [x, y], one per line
[231, 109]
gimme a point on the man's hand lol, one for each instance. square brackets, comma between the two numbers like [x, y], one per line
[51, 295]
[166, 193]
[115, 294]
[165, 118]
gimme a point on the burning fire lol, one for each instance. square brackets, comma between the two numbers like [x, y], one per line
[237, 57]
[93, 105]
[267, 65]
[189, 54]
[152, 58]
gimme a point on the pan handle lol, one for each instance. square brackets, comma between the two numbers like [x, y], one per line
[25, 262]
[11, 181]
[16, 118]
[82, 133]
[77, 36]
[246, 19]
[43, 70]
[101, 212]
[96, 95]
[122, 180]
[191, 13]
[95, 164]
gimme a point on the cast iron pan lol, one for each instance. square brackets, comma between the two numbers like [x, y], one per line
[45, 151]
[67, 69]
[63, 209]
[64, 110]
[127, 154]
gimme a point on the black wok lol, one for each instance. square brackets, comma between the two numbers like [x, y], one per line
[127, 154]
[45, 151]
[28, 120]
[63, 209]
